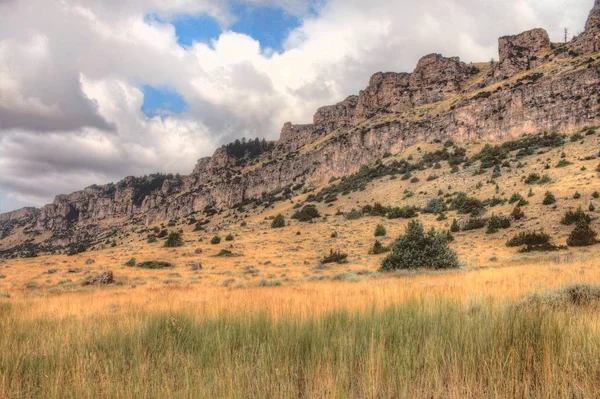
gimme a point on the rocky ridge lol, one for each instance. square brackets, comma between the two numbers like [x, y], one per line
[535, 86]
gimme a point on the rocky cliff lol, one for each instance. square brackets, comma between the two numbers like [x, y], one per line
[535, 86]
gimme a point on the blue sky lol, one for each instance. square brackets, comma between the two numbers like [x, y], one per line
[269, 25]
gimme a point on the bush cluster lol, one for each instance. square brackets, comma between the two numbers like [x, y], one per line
[417, 249]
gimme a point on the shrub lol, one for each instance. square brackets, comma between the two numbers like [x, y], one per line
[215, 240]
[353, 214]
[596, 194]
[532, 241]
[575, 217]
[306, 214]
[474, 224]
[455, 228]
[76, 248]
[335, 257]
[131, 262]
[577, 195]
[436, 206]
[496, 223]
[229, 237]
[464, 204]
[532, 178]
[225, 253]
[517, 213]
[153, 264]
[380, 231]
[549, 198]
[151, 239]
[334, 234]
[416, 249]
[163, 233]
[375, 210]
[518, 198]
[378, 248]
[278, 222]
[528, 238]
[563, 163]
[174, 240]
[406, 212]
[582, 236]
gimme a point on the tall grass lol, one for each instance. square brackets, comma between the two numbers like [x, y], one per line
[416, 349]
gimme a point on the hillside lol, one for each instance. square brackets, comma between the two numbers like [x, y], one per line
[435, 236]
[535, 86]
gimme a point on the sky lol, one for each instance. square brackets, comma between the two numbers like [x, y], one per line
[92, 91]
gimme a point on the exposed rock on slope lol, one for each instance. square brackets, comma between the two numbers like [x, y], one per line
[535, 86]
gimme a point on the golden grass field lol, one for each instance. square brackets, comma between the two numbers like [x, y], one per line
[273, 322]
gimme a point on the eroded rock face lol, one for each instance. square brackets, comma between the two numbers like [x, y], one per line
[387, 116]
[589, 41]
[338, 115]
[436, 78]
[522, 52]
[388, 92]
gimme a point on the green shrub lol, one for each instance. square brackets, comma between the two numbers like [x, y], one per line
[153, 264]
[532, 241]
[416, 249]
[380, 231]
[455, 227]
[225, 253]
[76, 248]
[474, 224]
[436, 206]
[575, 217]
[306, 214]
[378, 248]
[353, 214]
[496, 223]
[335, 257]
[377, 210]
[334, 234]
[517, 213]
[532, 178]
[465, 205]
[596, 194]
[151, 239]
[215, 240]
[549, 198]
[518, 198]
[582, 236]
[563, 163]
[131, 262]
[577, 195]
[174, 240]
[529, 238]
[405, 212]
[229, 237]
[278, 222]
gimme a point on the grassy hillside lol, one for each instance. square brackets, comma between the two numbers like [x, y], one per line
[258, 314]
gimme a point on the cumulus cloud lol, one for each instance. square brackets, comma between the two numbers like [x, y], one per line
[71, 72]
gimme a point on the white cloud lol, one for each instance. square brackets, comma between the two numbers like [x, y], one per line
[70, 72]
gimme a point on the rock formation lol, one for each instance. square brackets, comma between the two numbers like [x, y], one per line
[535, 86]
[589, 41]
[522, 52]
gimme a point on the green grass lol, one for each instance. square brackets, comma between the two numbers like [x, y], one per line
[418, 349]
